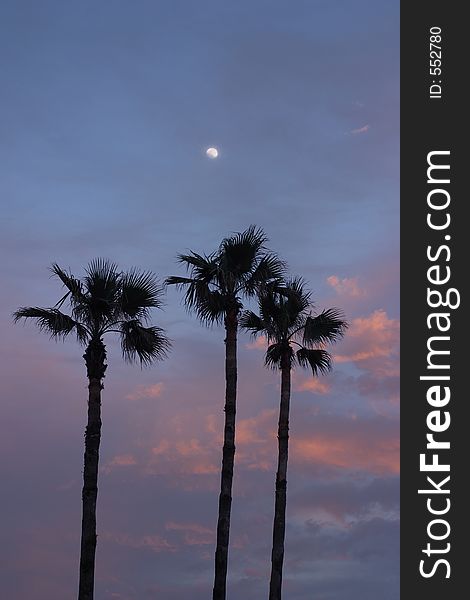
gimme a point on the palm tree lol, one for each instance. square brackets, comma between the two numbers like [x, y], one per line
[105, 301]
[216, 285]
[286, 322]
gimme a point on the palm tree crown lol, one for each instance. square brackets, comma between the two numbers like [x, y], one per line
[285, 319]
[106, 300]
[218, 281]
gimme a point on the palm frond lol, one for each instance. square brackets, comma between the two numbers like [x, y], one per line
[197, 292]
[218, 281]
[318, 360]
[208, 303]
[240, 252]
[72, 284]
[282, 304]
[202, 267]
[52, 321]
[252, 323]
[274, 353]
[102, 282]
[102, 279]
[328, 326]
[106, 301]
[296, 294]
[211, 306]
[269, 270]
[180, 282]
[147, 344]
[139, 291]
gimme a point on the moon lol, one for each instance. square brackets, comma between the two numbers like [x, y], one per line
[212, 153]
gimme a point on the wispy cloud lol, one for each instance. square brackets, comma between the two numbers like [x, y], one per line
[119, 461]
[363, 129]
[146, 391]
[156, 543]
[194, 534]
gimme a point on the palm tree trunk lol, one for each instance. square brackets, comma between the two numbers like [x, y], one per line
[279, 527]
[225, 498]
[95, 357]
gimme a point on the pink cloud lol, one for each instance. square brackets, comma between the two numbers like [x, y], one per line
[146, 391]
[260, 343]
[363, 129]
[194, 527]
[155, 543]
[213, 425]
[194, 534]
[162, 447]
[189, 448]
[338, 453]
[319, 439]
[314, 384]
[124, 460]
[184, 457]
[181, 440]
[121, 460]
[372, 344]
[346, 286]
[351, 451]
[254, 430]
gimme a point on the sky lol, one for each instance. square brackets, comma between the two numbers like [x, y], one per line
[107, 111]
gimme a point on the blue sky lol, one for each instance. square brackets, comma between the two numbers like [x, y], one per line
[107, 110]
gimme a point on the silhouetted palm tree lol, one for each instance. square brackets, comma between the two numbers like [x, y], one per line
[216, 285]
[105, 301]
[286, 321]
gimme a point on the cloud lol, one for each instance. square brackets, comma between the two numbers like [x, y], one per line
[254, 430]
[363, 129]
[370, 338]
[346, 286]
[156, 543]
[122, 460]
[260, 343]
[348, 454]
[368, 542]
[319, 441]
[349, 500]
[194, 527]
[184, 457]
[314, 384]
[162, 448]
[194, 534]
[146, 391]
[331, 442]
[371, 344]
